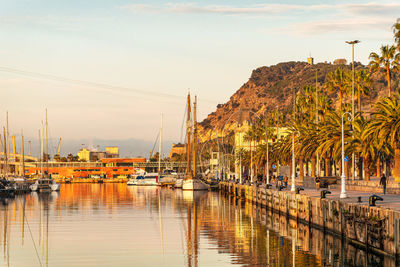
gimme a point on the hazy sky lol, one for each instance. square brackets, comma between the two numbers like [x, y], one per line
[107, 68]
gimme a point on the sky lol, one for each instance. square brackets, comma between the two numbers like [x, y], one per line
[107, 69]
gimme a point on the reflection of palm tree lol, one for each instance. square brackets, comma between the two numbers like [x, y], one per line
[388, 59]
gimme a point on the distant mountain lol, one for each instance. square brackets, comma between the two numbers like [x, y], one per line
[127, 147]
[271, 88]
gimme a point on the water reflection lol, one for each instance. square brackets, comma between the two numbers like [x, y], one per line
[116, 225]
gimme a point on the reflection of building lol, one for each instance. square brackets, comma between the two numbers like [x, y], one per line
[94, 155]
[108, 167]
[177, 149]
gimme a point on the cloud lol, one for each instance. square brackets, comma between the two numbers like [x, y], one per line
[267, 9]
[342, 25]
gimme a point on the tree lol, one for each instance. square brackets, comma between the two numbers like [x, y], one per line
[362, 83]
[388, 59]
[338, 82]
[385, 124]
[396, 31]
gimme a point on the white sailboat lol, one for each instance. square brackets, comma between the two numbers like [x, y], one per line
[44, 183]
[192, 182]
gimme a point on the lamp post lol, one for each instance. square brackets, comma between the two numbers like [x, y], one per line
[293, 188]
[352, 43]
[343, 193]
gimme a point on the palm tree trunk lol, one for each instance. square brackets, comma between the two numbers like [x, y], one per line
[388, 78]
[378, 167]
[396, 169]
[347, 169]
[359, 100]
[313, 166]
[366, 163]
[327, 167]
[301, 163]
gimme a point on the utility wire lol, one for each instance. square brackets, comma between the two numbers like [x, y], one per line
[107, 87]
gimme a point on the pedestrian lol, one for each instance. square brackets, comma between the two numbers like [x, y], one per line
[383, 182]
[285, 180]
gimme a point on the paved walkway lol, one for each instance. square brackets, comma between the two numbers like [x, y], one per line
[390, 201]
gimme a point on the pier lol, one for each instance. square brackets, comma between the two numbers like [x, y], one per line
[374, 228]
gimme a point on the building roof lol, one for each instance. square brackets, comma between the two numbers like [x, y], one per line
[123, 160]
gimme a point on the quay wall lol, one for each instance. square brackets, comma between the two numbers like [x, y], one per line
[375, 228]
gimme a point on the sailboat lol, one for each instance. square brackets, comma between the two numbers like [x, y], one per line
[192, 182]
[20, 183]
[45, 183]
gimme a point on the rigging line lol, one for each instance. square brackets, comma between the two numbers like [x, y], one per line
[183, 123]
[155, 143]
[82, 82]
[34, 244]
[91, 84]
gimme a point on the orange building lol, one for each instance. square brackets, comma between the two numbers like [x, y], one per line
[107, 167]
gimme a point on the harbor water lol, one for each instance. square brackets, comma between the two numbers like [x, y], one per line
[120, 225]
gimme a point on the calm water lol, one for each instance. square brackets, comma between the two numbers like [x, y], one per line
[116, 225]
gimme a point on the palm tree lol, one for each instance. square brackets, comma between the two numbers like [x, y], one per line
[385, 124]
[362, 82]
[396, 31]
[388, 60]
[337, 82]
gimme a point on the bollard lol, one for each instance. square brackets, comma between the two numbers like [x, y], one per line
[373, 199]
[324, 192]
[359, 200]
[298, 189]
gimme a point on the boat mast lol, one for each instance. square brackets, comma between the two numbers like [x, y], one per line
[8, 134]
[47, 146]
[188, 133]
[40, 154]
[5, 153]
[194, 135]
[160, 147]
[22, 154]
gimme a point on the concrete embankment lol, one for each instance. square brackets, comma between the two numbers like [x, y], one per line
[375, 228]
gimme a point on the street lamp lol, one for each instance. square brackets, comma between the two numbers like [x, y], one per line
[343, 193]
[293, 188]
[352, 98]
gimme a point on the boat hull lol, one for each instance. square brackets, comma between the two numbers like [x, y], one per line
[194, 185]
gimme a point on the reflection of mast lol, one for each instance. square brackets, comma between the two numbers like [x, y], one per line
[189, 238]
[47, 233]
[23, 221]
[195, 245]
[160, 221]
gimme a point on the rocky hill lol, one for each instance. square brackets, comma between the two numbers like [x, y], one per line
[273, 87]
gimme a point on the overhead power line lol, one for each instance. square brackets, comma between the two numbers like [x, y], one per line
[108, 87]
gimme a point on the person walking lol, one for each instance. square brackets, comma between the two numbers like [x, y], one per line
[383, 182]
[285, 180]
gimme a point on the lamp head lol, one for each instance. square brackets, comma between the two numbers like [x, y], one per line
[353, 42]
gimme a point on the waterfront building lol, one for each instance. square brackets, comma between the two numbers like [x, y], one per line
[107, 168]
[94, 155]
[177, 149]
